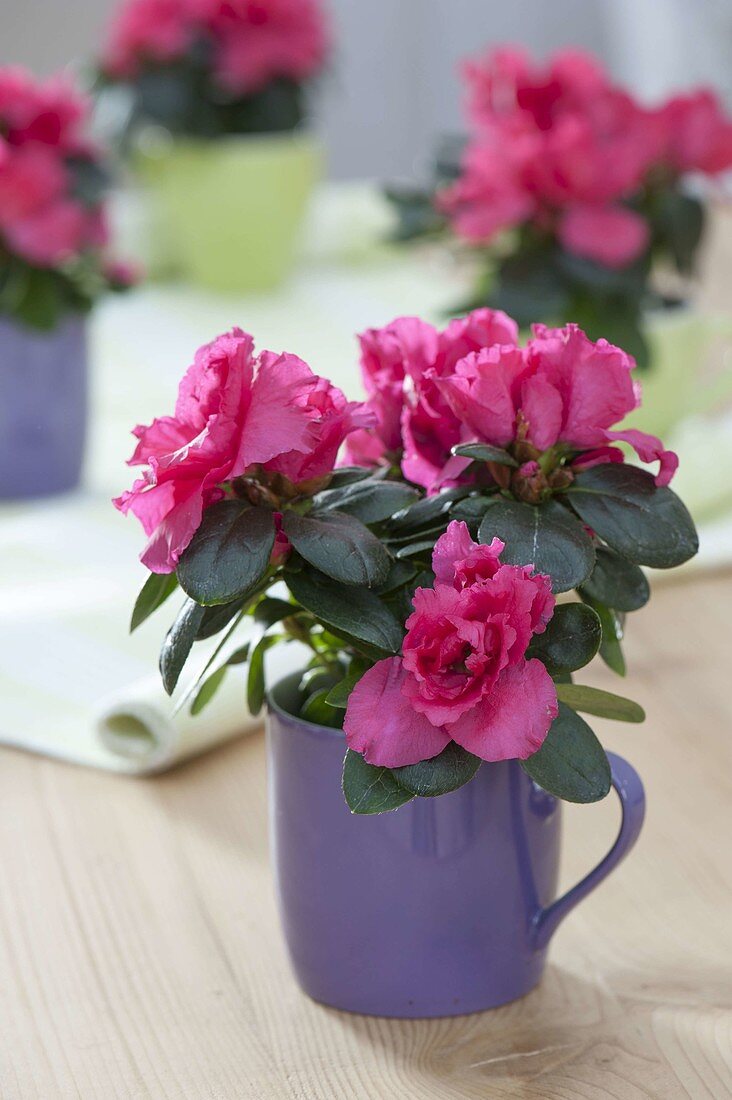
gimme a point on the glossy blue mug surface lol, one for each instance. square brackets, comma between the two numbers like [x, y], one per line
[43, 412]
[444, 906]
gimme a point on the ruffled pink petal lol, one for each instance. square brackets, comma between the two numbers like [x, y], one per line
[649, 449]
[512, 721]
[456, 546]
[542, 406]
[381, 724]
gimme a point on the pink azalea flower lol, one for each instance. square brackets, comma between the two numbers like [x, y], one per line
[41, 219]
[252, 41]
[259, 40]
[153, 30]
[463, 674]
[234, 411]
[401, 365]
[548, 138]
[50, 235]
[613, 236]
[697, 132]
[49, 112]
[562, 388]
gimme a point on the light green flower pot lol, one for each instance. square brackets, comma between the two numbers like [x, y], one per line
[229, 211]
[687, 395]
[688, 375]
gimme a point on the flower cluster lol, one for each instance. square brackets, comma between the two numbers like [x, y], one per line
[260, 426]
[51, 179]
[572, 197]
[430, 616]
[561, 147]
[463, 675]
[554, 400]
[230, 49]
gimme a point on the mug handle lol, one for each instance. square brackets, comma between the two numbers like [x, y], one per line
[629, 788]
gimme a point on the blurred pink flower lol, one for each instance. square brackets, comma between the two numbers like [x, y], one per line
[234, 410]
[613, 236]
[252, 41]
[463, 674]
[698, 133]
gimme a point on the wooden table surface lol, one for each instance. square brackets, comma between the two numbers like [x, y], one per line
[141, 955]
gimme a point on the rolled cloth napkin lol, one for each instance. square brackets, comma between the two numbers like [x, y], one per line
[74, 684]
[144, 731]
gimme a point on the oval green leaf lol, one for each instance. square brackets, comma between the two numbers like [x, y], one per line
[571, 639]
[178, 643]
[370, 790]
[546, 536]
[603, 704]
[357, 612]
[648, 525]
[617, 582]
[228, 554]
[153, 595]
[339, 546]
[453, 768]
[571, 764]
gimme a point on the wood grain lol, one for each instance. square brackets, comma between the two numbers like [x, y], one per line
[141, 956]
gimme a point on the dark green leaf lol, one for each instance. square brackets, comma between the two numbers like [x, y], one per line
[338, 695]
[339, 546]
[571, 763]
[216, 617]
[546, 536]
[255, 679]
[178, 643]
[483, 452]
[680, 223]
[153, 594]
[617, 582]
[604, 704]
[414, 548]
[528, 286]
[400, 573]
[612, 635]
[348, 475]
[354, 611]
[370, 790]
[472, 509]
[315, 709]
[646, 524]
[207, 690]
[228, 554]
[453, 768]
[426, 510]
[271, 610]
[571, 639]
[369, 501]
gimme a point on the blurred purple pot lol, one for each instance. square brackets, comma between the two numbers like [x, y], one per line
[442, 907]
[44, 408]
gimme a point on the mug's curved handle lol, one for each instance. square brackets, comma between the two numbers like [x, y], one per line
[627, 783]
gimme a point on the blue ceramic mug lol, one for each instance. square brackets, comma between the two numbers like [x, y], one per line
[444, 906]
[43, 412]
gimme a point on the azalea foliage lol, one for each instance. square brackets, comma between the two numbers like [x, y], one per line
[53, 181]
[483, 480]
[207, 68]
[573, 196]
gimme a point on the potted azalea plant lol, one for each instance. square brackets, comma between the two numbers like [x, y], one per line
[576, 203]
[215, 119]
[53, 267]
[441, 591]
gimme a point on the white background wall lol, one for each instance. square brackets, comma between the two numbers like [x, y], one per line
[393, 84]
